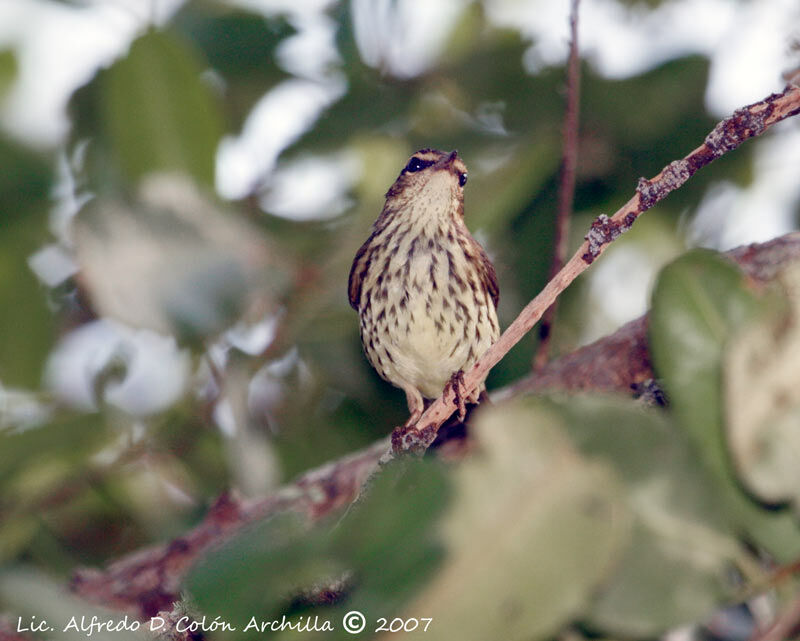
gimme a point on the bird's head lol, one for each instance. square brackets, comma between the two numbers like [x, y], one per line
[433, 179]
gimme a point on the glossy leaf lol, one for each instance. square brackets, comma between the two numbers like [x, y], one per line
[698, 301]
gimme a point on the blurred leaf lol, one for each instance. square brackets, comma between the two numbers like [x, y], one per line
[67, 438]
[240, 46]
[663, 582]
[151, 111]
[395, 512]
[161, 115]
[384, 538]
[674, 570]
[175, 263]
[647, 450]
[762, 398]
[491, 76]
[36, 464]
[8, 71]
[390, 540]
[235, 42]
[533, 530]
[15, 533]
[699, 301]
[259, 570]
[26, 324]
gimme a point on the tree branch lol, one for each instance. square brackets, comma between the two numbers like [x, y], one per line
[566, 187]
[147, 581]
[620, 361]
[745, 123]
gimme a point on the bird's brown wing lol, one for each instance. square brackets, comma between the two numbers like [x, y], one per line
[487, 275]
[357, 273]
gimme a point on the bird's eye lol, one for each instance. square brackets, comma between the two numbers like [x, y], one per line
[462, 178]
[415, 164]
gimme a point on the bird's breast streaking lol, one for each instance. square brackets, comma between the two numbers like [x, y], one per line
[425, 290]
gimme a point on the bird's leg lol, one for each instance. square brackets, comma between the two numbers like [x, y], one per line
[457, 384]
[415, 405]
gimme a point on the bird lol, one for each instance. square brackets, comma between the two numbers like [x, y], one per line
[425, 290]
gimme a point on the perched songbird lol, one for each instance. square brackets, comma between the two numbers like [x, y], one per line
[424, 289]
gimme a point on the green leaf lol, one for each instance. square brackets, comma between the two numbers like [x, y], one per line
[699, 302]
[36, 464]
[258, 570]
[385, 540]
[533, 530]
[161, 115]
[444, 106]
[657, 118]
[662, 584]
[674, 569]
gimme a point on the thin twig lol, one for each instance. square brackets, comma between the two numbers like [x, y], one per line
[566, 188]
[745, 123]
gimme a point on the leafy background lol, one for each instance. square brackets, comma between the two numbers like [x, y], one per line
[162, 344]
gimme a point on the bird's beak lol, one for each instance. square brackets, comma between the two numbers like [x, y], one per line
[448, 161]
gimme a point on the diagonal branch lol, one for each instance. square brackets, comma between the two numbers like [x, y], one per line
[620, 361]
[148, 581]
[745, 123]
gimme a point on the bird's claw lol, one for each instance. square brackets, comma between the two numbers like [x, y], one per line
[457, 385]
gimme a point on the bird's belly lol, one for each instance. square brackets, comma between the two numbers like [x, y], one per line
[425, 329]
[426, 354]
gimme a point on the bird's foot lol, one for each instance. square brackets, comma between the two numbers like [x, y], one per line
[456, 383]
[413, 418]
